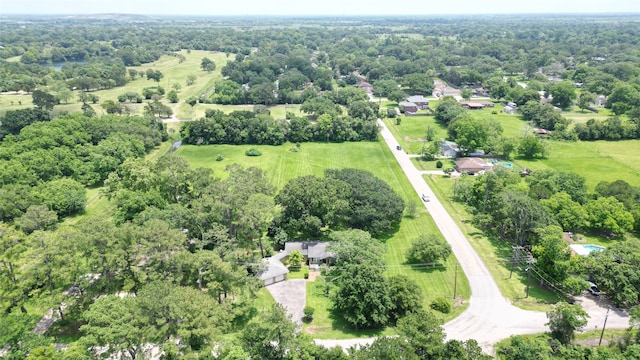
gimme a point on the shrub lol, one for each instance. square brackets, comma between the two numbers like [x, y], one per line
[253, 152]
[308, 313]
[442, 305]
[219, 157]
[439, 164]
[306, 274]
[427, 157]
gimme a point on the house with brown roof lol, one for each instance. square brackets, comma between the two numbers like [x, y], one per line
[408, 107]
[476, 105]
[472, 165]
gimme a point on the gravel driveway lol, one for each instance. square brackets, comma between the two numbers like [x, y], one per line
[292, 295]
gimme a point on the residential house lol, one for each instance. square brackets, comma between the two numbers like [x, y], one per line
[509, 110]
[274, 271]
[440, 88]
[314, 252]
[420, 101]
[472, 165]
[472, 105]
[449, 91]
[449, 149]
[408, 108]
[480, 92]
[476, 105]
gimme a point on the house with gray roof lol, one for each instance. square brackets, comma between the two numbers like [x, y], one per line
[274, 271]
[449, 149]
[420, 101]
[314, 252]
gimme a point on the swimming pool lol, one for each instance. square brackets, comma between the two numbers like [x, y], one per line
[585, 250]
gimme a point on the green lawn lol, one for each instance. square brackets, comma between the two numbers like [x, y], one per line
[298, 274]
[493, 251]
[595, 160]
[412, 129]
[326, 325]
[579, 116]
[281, 165]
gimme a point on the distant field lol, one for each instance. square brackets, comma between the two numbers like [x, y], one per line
[281, 165]
[174, 73]
[595, 160]
[578, 116]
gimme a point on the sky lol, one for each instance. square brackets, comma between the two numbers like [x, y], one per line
[314, 7]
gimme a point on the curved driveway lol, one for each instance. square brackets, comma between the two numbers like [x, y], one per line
[490, 317]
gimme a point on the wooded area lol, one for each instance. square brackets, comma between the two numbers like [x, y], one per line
[170, 263]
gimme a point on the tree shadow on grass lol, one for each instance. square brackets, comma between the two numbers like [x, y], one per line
[384, 236]
[338, 323]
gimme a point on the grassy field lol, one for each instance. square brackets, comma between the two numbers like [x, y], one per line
[578, 116]
[281, 165]
[174, 71]
[595, 160]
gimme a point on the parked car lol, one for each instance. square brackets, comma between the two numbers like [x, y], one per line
[593, 289]
[398, 147]
[425, 198]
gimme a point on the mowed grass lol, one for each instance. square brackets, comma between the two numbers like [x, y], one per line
[495, 253]
[281, 165]
[595, 160]
[411, 133]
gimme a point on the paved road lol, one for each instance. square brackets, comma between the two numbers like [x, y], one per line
[490, 316]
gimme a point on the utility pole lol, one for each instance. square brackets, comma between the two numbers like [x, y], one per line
[455, 281]
[528, 277]
[604, 326]
[516, 250]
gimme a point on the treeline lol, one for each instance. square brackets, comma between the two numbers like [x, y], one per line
[247, 127]
[97, 73]
[536, 215]
[73, 150]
